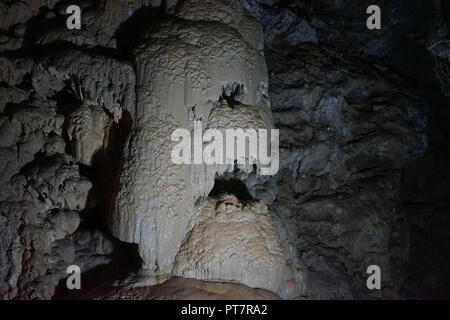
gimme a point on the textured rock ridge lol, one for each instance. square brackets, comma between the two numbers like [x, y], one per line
[186, 289]
[359, 141]
[237, 242]
[57, 112]
[342, 155]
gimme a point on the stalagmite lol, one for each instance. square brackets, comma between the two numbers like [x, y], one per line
[191, 68]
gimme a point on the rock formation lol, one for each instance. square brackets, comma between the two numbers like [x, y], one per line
[210, 51]
[236, 242]
[358, 142]
[44, 195]
[86, 118]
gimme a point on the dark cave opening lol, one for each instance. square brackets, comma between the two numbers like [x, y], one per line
[67, 102]
[103, 173]
[234, 186]
[124, 260]
[232, 94]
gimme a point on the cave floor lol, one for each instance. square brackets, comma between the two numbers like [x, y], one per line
[177, 288]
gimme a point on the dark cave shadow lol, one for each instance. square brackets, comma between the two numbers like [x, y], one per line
[127, 34]
[130, 31]
[59, 46]
[107, 165]
[125, 260]
[104, 174]
[231, 186]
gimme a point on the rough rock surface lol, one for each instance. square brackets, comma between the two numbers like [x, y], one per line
[236, 242]
[348, 133]
[359, 142]
[43, 22]
[44, 196]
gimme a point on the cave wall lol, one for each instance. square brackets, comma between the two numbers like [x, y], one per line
[363, 118]
[61, 109]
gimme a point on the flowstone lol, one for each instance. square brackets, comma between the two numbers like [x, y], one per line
[205, 64]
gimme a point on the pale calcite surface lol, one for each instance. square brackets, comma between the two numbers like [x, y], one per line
[187, 68]
[237, 242]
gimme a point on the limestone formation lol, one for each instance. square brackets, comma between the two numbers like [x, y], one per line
[236, 242]
[94, 80]
[44, 197]
[89, 132]
[186, 68]
[86, 118]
